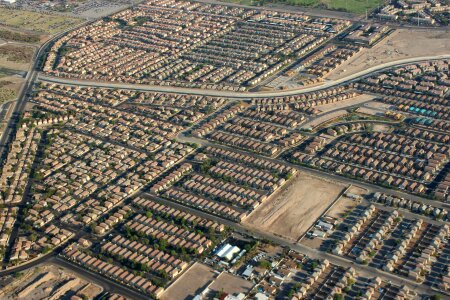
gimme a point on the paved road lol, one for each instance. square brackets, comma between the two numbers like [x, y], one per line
[4, 110]
[107, 284]
[319, 12]
[319, 173]
[30, 79]
[242, 95]
[115, 287]
[313, 253]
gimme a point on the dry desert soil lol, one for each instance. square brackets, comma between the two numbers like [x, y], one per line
[190, 283]
[398, 45]
[294, 209]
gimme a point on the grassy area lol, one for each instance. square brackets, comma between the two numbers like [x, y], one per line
[6, 94]
[9, 86]
[17, 54]
[36, 22]
[19, 36]
[352, 6]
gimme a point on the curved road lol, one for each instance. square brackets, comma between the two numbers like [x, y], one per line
[112, 286]
[30, 79]
[242, 95]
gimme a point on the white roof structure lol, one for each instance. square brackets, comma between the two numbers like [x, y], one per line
[227, 251]
[261, 296]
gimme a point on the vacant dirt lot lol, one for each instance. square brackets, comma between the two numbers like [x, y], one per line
[47, 281]
[399, 45]
[190, 283]
[345, 103]
[344, 204]
[294, 209]
[324, 118]
[231, 284]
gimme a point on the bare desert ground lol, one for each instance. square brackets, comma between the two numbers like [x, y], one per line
[295, 208]
[324, 118]
[345, 103]
[399, 45]
[48, 282]
[344, 204]
[231, 284]
[190, 283]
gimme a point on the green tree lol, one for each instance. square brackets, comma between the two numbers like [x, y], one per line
[338, 297]
[264, 264]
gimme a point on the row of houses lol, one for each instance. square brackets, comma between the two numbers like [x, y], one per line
[158, 208]
[206, 204]
[171, 178]
[212, 50]
[218, 119]
[304, 97]
[353, 227]
[224, 191]
[428, 135]
[413, 206]
[414, 12]
[156, 260]
[436, 111]
[87, 163]
[420, 252]
[288, 118]
[113, 219]
[112, 271]
[7, 219]
[17, 166]
[245, 143]
[183, 101]
[175, 235]
[249, 160]
[247, 176]
[327, 62]
[131, 183]
[147, 133]
[428, 79]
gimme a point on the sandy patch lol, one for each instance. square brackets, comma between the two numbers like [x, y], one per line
[344, 204]
[5, 63]
[48, 281]
[11, 82]
[324, 118]
[231, 284]
[294, 209]
[370, 111]
[382, 128]
[190, 283]
[354, 189]
[345, 103]
[399, 45]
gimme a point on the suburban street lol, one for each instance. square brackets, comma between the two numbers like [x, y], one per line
[313, 253]
[30, 79]
[241, 95]
[80, 163]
